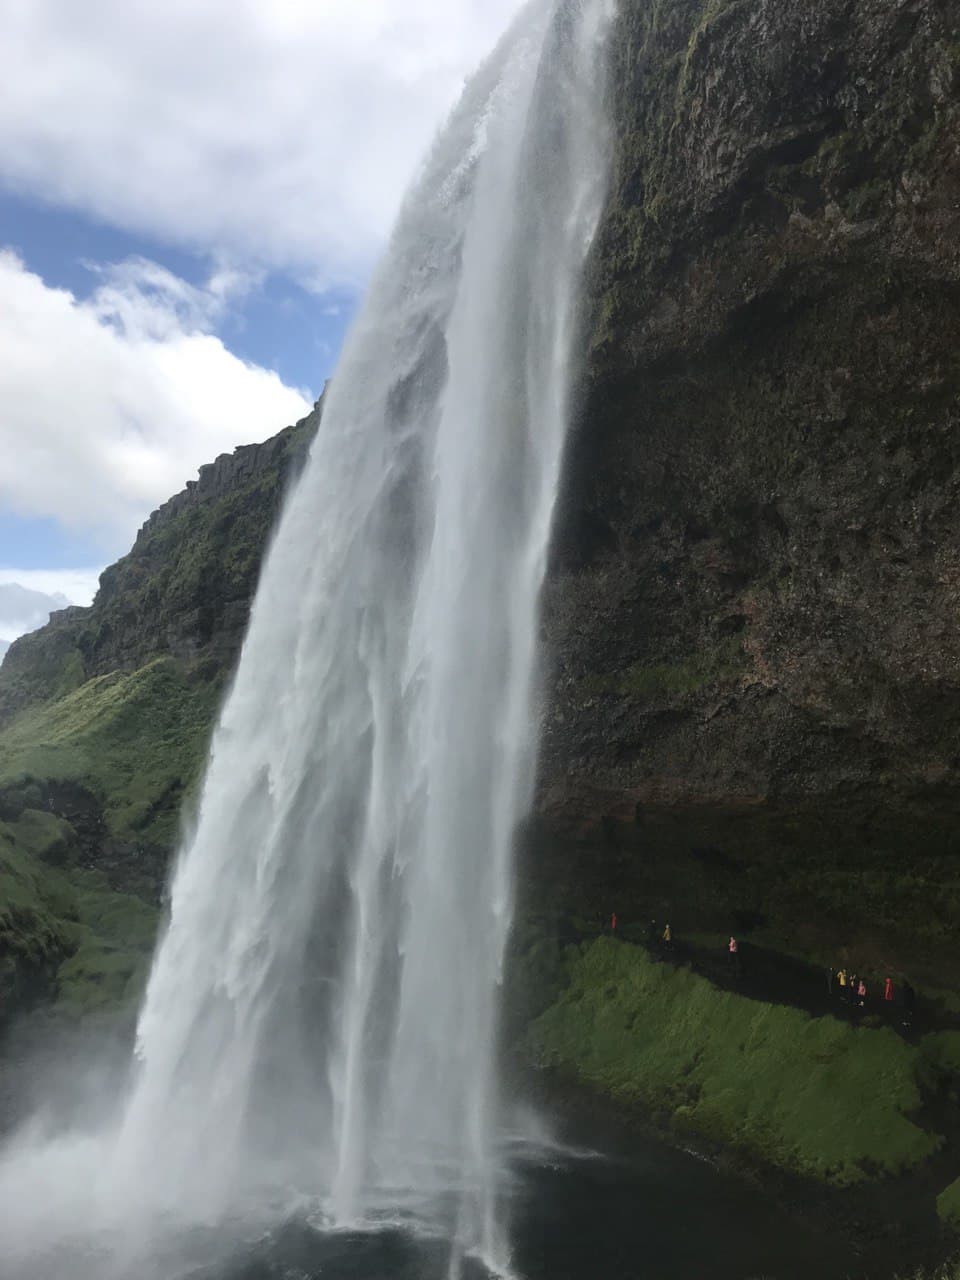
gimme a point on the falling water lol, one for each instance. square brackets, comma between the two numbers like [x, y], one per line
[322, 1012]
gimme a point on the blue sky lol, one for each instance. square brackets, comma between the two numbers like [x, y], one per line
[192, 198]
[280, 325]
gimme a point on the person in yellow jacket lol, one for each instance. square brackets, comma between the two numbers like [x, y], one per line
[667, 936]
[842, 982]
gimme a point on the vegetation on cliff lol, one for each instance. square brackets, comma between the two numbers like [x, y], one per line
[183, 591]
[105, 717]
[66, 938]
[813, 1095]
[135, 742]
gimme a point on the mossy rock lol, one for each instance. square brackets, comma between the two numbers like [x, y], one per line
[137, 740]
[66, 935]
[948, 1205]
[44, 835]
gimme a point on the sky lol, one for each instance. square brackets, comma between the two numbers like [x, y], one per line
[193, 194]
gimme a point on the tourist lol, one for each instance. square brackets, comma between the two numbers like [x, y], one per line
[862, 993]
[888, 991]
[668, 936]
[613, 922]
[829, 976]
[842, 982]
[733, 950]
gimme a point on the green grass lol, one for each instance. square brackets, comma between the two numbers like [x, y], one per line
[813, 1095]
[42, 834]
[114, 933]
[67, 929]
[35, 911]
[948, 1204]
[137, 741]
[941, 1055]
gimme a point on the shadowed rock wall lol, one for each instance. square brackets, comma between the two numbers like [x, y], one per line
[753, 702]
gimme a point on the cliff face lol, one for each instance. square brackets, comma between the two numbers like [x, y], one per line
[184, 591]
[105, 715]
[754, 694]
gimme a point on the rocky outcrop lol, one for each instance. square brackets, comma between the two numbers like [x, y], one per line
[106, 712]
[183, 591]
[754, 704]
[187, 585]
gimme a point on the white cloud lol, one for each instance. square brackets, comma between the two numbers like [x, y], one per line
[108, 406]
[143, 299]
[23, 609]
[283, 131]
[77, 586]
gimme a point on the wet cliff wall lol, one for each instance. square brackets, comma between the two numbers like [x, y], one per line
[753, 697]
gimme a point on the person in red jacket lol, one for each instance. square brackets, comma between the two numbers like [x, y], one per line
[888, 991]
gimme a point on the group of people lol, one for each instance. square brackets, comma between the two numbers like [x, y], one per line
[853, 988]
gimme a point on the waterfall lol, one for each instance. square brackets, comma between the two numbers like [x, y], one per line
[322, 1010]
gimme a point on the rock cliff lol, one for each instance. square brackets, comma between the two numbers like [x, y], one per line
[754, 698]
[183, 591]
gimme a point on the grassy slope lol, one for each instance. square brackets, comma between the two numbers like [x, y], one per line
[119, 750]
[812, 1095]
[136, 742]
[68, 929]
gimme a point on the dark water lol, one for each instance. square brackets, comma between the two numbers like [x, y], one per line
[655, 1214]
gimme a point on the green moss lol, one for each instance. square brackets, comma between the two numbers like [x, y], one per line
[43, 834]
[68, 931]
[136, 740]
[535, 975]
[867, 200]
[48, 665]
[948, 1204]
[35, 910]
[716, 16]
[115, 934]
[813, 1095]
[690, 674]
